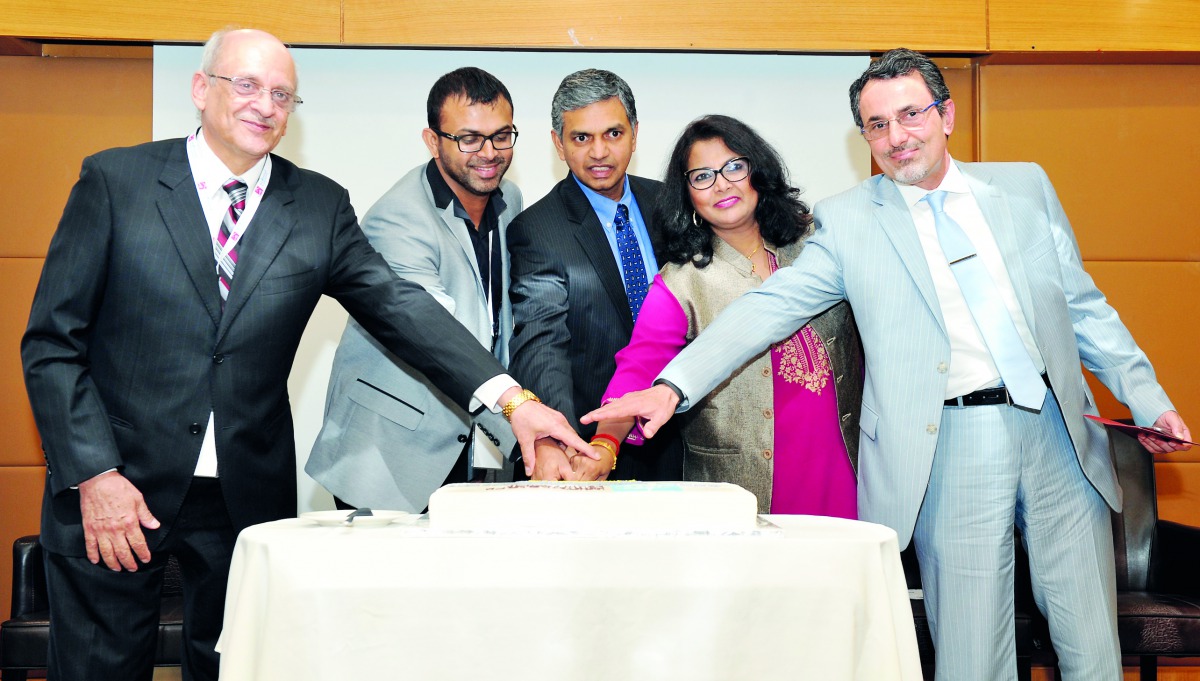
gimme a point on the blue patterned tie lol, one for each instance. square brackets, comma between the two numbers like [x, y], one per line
[987, 308]
[632, 266]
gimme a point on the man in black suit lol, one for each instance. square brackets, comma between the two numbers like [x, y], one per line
[158, 351]
[581, 260]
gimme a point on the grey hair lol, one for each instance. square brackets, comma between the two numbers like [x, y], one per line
[898, 63]
[586, 87]
[212, 49]
[216, 43]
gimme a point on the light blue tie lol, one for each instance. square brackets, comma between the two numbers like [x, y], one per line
[995, 324]
[633, 268]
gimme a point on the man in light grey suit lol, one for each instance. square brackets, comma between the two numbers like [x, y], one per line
[390, 437]
[946, 458]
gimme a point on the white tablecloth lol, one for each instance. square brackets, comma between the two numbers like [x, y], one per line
[824, 599]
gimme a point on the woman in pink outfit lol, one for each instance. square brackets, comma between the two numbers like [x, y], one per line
[785, 425]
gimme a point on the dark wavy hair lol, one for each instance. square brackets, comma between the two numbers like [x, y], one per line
[898, 63]
[782, 217]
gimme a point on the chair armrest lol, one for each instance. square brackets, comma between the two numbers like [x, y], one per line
[29, 577]
[1178, 558]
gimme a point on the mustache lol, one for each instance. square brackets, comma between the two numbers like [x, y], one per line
[254, 118]
[905, 147]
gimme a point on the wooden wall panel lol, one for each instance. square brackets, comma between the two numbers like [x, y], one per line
[20, 510]
[1089, 25]
[1109, 138]
[1178, 491]
[1159, 303]
[75, 107]
[22, 446]
[311, 21]
[787, 25]
[53, 113]
[959, 75]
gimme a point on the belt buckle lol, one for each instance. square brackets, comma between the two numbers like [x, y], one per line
[1007, 397]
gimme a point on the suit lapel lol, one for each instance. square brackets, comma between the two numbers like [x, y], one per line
[646, 198]
[506, 318]
[590, 234]
[996, 212]
[895, 219]
[272, 225]
[183, 218]
[458, 228]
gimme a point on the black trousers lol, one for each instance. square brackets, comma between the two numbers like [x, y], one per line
[104, 624]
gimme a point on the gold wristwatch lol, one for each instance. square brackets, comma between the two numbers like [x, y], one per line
[521, 398]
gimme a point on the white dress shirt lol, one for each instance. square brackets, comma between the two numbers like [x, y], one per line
[210, 174]
[971, 365]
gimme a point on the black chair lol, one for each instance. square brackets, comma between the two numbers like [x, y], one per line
[24, 638]
[1158, 593]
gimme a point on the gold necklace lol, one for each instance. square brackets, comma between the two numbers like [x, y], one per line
[750, 257]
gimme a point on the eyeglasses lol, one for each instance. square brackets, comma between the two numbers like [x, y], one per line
[246, 88]
[912, 119]
[734, 170]
[469, 144]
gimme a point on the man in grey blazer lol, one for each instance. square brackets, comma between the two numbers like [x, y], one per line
[571, 304]
[946, 458]
[390, 437]
[158, 351]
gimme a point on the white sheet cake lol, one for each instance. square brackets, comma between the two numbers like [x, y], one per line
[589, 506]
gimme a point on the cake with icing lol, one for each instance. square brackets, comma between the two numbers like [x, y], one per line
[587, 506]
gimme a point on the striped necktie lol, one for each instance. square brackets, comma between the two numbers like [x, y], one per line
[987, 308]
[228, 263]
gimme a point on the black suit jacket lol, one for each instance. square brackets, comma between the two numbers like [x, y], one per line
[571, 314]
[128, 350]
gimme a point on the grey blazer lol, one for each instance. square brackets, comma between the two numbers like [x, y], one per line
[725, 432]
[390, 437]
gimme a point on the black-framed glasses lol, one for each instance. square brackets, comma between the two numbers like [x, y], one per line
[734, 170]
[471, 143]
[247, 88]
[913, 119]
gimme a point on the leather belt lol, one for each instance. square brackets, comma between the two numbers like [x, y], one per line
[986, 396]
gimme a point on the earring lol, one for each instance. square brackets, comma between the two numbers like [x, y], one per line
[696, 219]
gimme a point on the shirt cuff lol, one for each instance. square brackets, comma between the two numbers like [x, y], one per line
[488, 395]
[76, 487]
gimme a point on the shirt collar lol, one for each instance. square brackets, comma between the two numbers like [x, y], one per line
[210, 172]
[443, 195]
[954, 183]
[604, 207]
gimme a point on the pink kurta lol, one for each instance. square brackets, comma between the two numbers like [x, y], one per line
[811, 472]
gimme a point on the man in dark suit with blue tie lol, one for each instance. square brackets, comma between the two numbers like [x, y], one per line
[582, 259]
[162, 332]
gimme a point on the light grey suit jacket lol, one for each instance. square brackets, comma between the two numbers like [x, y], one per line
[866, 251]
[390, 437]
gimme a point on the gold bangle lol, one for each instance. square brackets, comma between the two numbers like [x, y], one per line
[601, 442]
[521, 398]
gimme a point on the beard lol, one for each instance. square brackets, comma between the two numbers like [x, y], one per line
[468, 180]
[914, 170]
